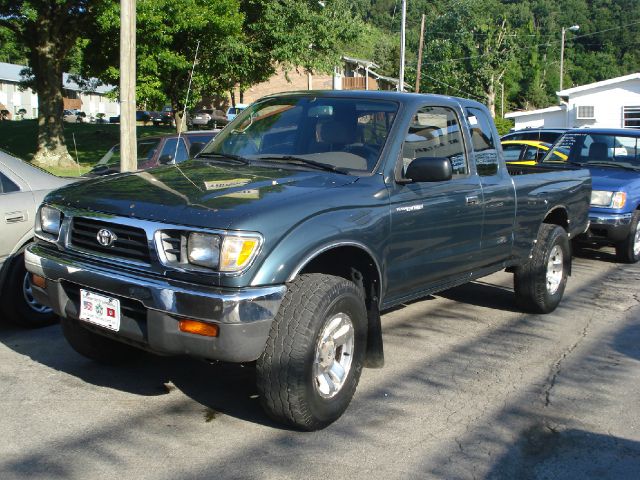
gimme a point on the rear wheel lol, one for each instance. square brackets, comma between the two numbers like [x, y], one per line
[95, 346]
[312, 362]
[19, 305]
[540, 283]
[629, 250]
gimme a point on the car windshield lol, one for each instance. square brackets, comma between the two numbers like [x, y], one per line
[341, 133]
[146, 149]
[597, 149]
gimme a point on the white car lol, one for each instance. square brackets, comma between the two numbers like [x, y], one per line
[22, 188]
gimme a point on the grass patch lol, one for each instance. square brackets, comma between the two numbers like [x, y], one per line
[91, 140]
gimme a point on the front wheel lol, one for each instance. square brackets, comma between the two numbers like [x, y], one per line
[539, 284]
[629, 250]
[314, 355]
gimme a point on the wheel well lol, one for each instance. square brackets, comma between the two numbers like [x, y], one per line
[558, 216]
[352, 263]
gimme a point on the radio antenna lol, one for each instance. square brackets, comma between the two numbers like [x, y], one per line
[186, 101]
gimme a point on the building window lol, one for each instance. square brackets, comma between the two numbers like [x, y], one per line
[586, 112]
[631, 117]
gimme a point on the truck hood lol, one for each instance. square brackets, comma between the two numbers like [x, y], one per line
[613, 179]
[197, 193]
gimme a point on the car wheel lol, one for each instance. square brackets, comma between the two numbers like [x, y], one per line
[539, 284]
[314, 355]
[629, 250]
[17, 299]
[95, 346]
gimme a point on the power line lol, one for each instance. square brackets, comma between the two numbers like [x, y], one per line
[453, 88]
[528, 47]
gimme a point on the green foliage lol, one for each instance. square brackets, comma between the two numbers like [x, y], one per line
[466, 55]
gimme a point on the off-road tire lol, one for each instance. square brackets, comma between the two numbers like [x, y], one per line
[15, 306]
[625, 250]
[285, 371]
[95, 346]
[531, 281]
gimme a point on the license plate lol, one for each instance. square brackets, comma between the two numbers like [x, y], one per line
[100, 310]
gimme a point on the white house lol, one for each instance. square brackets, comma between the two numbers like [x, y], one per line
[613, 103]
[13, 99]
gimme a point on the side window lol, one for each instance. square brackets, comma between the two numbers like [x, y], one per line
[511, 152]
[435, 132]
[6, 185]
[170, 149]
[483, 141]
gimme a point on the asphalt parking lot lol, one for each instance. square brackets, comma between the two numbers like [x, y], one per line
[472, 388]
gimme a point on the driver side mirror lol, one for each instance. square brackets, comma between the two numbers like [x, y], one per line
[429, 169]
[165, 159]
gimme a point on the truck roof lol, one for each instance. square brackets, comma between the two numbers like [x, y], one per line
[400, 97]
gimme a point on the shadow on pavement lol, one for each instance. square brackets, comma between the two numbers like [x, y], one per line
[483, 294]
[627, 341]
[542, 453]
[219, 387]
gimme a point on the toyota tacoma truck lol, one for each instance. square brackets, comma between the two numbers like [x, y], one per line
[291, 231]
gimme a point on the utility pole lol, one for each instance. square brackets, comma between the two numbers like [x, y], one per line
[128, 142]
[419, 72]
[574, 28]
[402, 45]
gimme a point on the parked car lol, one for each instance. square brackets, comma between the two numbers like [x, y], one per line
[547, 135]
[74, 116]
[164, 117]
[155, 151]
[527, 152]
[232, 112]
[613, 157]
[209, 118]
[22, 188]
[142, 116]
[288, 234]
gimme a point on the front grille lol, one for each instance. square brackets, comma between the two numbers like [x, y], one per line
[131, 243]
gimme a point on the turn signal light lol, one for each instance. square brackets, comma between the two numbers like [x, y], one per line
[199, 328]
[38, 281]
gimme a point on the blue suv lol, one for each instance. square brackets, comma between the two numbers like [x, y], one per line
[613, 157]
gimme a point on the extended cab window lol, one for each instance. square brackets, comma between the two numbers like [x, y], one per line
[484, 143]
[435, 132]
[170, 150]
[6, 185]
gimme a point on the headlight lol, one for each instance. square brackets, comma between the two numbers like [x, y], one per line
[204, 249]
[602, 198]
[224, 253]
[50, 220]
[237, 252]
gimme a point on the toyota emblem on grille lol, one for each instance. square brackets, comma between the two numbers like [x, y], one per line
[106, 237]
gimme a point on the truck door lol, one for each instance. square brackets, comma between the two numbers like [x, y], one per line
[498, 193]
[435, 226]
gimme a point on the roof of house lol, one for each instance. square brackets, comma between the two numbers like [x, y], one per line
[12, 73]
[555, 108]
[605, 83]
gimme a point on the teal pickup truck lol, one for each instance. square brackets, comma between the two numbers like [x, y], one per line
[291, 231]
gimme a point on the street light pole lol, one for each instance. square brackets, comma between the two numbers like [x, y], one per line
[402, 45]
[574, 28]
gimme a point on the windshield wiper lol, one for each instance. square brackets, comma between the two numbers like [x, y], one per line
[230, 156]
[612, 165]
[305, 161]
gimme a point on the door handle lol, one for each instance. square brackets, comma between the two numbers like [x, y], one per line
[15, 217]
[473, 200]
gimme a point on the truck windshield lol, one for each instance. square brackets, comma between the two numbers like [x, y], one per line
[596, 149]
[344, 133]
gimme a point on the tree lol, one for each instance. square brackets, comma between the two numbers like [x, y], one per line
[49, 30]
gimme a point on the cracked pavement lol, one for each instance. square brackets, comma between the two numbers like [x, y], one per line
[472, 388]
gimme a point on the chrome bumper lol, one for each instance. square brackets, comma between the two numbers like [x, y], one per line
[244, 316]
[612, 219]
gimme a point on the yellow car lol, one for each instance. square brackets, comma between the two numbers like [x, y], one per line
[527, 152]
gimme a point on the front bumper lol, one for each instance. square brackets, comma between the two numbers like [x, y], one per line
[153, 306]
[609, 227]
